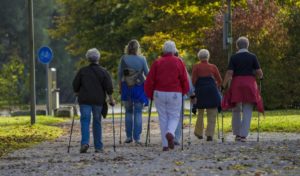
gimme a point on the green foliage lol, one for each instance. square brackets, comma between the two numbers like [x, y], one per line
[16, 133]
[273, 121]
[12, 80]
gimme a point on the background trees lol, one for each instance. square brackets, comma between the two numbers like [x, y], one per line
[74, 26]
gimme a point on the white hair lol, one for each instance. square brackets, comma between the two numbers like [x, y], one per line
[203, 54]
[242, 43]
[169, 47]
[93, 55]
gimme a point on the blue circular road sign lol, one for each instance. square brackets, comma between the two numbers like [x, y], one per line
[45, 55]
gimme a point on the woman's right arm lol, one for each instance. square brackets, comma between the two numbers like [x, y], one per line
[120, 74]
[145, 66]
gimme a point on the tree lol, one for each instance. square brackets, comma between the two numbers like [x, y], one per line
[262, 23]
[11, 82]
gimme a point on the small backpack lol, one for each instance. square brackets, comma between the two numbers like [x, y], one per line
[132, 77]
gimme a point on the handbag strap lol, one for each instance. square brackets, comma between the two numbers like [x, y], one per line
[96, 75]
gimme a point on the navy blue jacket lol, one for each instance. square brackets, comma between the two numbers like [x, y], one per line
[207, 93]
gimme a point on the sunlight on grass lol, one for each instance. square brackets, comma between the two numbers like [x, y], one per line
[274, 121]
[16, 132]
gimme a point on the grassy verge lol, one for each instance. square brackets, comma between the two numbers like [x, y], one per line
[273, 121]
[16, 132]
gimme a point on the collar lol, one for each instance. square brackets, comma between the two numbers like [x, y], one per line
[167, 54]
[242, 50]
[203, 61]
[91, 64]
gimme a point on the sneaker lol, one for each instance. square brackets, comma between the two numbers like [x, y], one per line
[209, 138]
[98, 150]
[243, 139]
[198, 136]
[128, 140]
[170, 139]
[237, 138]
[138, 143]
[165, 149]
[176, 143]
[84, 148]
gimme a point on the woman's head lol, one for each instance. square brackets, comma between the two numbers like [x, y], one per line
[133, 48]
[203, 54]
[242, 43]
[169, 47]
[93, 55]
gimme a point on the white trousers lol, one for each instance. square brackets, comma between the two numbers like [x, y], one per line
[241, 119]
[168, 105]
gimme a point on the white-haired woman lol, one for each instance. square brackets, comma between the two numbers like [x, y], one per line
[243, 92]
[167, 81]
[92, 83]
[132, 71]
[207, 81]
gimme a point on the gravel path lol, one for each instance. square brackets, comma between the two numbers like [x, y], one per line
[275, 154]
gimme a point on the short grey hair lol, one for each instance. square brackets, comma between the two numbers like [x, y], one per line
[93, 55]
[169, 47]
[242, 43]
[203, 54]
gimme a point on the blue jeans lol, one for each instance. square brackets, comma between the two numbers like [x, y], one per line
[85, 119]
[133, 120]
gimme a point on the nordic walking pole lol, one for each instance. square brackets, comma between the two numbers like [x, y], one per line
[148, 126]
[258, 117]
[120, 140]
[190, 124]
[222, 126]
[182, 113]
[218, 125]
[113, 124]
[72, 127]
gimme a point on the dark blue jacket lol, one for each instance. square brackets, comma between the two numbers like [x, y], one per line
[207, 93]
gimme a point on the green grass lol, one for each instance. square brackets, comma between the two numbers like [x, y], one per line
[273, 121]
[16, 132]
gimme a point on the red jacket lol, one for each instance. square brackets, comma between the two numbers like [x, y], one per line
[243, 89]
[167, 74]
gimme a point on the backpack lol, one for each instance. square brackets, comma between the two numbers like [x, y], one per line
[132, 77]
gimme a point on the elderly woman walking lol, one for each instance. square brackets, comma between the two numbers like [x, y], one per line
[166, 83]
[207, 81]
[92, 83]
[132, 71]
[243, 93]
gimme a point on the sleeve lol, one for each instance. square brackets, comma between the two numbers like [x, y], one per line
[194, 75]
[255, 63]
[150, 81]
[120, 70]
[184, 78]
[192, 89]
[76, 82]
[230, 65]
[145, 67]
[217, 75]
[107, 83]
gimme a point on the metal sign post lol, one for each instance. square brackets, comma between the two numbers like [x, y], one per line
[32, 63]
[45, 56]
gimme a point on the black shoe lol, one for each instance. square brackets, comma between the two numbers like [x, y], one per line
[237, 138]
[198, 136]
[209, 138]
[128, 140]
[84, 148]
